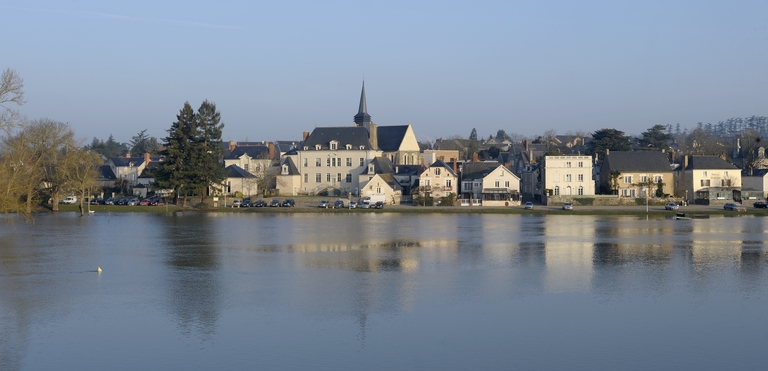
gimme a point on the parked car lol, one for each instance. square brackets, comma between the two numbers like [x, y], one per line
[275, 203]
[671, 206]
[567, 206]
[323, 204]
[364, 205]
[260, 203]
[761, 205]
[289, 203]
[378, 205]
[123, 201]
[133, 202]
[245, 203]
[236, 203]
[339, 204]
[111, 201]
[733, 207]
[145, 202]
[529, 205]
[97, 201]
[69, 200]
[156, 201]
[352, 204]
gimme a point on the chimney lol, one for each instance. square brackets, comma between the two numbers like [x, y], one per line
[526, 145]
[128, 154]
[232, 145]
[454, 166]
[373, 134]
[146, 158]
[396, 169]
[475, 157]
[722, 156]
[272, 151]
[305, 135]
[685, 161]
[607, 151]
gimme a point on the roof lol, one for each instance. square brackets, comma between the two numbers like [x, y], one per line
[355, 135]
[106, 173]
[257, 151]
[643, 161]
[708, 163]
[381, 165]
[478, 170]
[292, 169]
[442, 164]
[234, 171]
[390, 180]
[755, 172]
[126, 161]
[390, 137]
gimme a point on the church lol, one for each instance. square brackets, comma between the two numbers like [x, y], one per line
[329, 160]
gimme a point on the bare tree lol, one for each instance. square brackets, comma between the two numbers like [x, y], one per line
[11, 92]
[81, 169]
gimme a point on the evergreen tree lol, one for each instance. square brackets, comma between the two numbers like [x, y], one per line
[473, 146]
[141, 143]
[209, 127]
[610, 139]
[174, 171]
[655, 138]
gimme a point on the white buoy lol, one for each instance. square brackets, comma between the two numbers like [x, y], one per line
[98, 269]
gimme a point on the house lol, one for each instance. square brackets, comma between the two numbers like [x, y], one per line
[567, 176]
[630, 173]
[707, 179]
[490, 183]
[255, 158]
[128, 168]
[239, 180]
[288, 181]
[383, 184]
[330, 159]
[438, 180]
[429, 156]
[755, 180]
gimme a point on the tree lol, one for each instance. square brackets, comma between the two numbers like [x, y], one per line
[473, 146]
[501, 135]
[608, 139]
[141, 143]
[11, 92]
[751, 141]
[700, 142]
[109, 148]
[660, 188]
[655, 137]
[192, 152]
[615, 175]
[82, 170]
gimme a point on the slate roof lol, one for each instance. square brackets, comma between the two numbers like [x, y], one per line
[126, 161]
[258, 151]
[381, 165]
[442, 164]
[755, 172]
[234, 171]
[628, 161]
[407, 169]
[390, 180]
[390, 137]
[106, 173]
[708, 163]
[292, 169]
[478, 170]
[355, 135]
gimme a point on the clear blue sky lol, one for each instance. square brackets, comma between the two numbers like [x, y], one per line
[277, 68]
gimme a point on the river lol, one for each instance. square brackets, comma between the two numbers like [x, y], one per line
[382, 291]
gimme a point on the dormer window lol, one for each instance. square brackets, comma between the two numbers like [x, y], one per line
[334, 145]
[371, 169]
[362, 147]
[317, 147]
[285, 169]
[349, 146]
[306, 148]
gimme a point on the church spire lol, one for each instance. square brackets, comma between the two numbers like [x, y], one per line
[362, 118]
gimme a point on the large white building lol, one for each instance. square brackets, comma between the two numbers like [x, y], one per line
[567, 176]
[330, 159]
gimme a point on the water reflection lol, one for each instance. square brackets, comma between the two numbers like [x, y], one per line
[354, 279]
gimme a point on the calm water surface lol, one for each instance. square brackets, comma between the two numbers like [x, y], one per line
[383, 291]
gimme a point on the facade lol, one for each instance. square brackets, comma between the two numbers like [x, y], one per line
[288, 182]
[625, 172]
[438, 180]
[491, 182]
[239, 180]
[707, 179]
[568, 176]
[755, 180]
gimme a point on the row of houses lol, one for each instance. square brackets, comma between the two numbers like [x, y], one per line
[366, 159]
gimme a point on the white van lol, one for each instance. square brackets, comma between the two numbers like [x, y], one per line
[373, 199]
[69, 200]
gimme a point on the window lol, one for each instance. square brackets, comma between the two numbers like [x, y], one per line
[426, 182]
[705, 174]
[328, 162]
[496, 184]
[334, 145]
[349, 146]
[338, 177]
[705, 182]
[628, 179]
[567, 164]
[437, 171]
[362, 161]
[557, 190]
[349, 178]
[317, 147]
[318, 162]
[318, 178]
[581, 191]
[581, 164]
[581, 177]
[328, 177]
[725, 174]
[657, 178]
[643, 178]
[349, 161]
[306, 162]
[725, 182]
[245, 167]
[448, 184]
[567, 177]
[306, 178]
[506, 184]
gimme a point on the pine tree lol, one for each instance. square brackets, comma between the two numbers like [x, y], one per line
[174, 170]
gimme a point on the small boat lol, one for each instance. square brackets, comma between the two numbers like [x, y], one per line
[682, 216]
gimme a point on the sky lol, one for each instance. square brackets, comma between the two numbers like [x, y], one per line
[278, 68]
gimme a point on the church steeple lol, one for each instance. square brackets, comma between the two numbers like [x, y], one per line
[362, 118]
